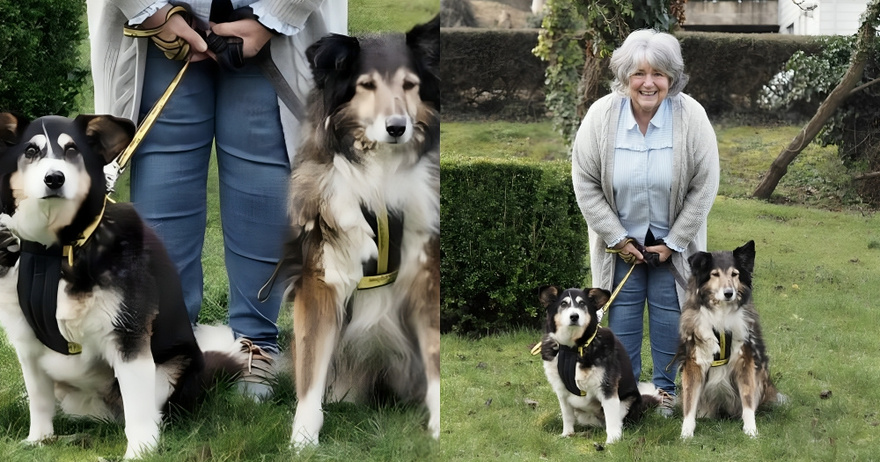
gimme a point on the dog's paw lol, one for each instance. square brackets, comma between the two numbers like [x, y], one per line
[613, 437]
[750, 430]
[687, 429]
[781, 399]
[567, 433]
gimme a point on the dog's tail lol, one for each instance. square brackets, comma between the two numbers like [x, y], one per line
[228, 360]
[650, 397]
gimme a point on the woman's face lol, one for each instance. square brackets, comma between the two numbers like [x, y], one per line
[647, 89]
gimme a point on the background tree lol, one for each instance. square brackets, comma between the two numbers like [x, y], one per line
[576, 38]
[847, 66]
[40, 69]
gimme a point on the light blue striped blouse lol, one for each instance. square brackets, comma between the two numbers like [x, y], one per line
[643, 172]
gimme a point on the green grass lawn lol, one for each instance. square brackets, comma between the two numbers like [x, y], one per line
[815, 288]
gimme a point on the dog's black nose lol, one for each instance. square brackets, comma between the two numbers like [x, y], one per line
[396, 126]
[54, 180]
[574, 318]
[729, 293]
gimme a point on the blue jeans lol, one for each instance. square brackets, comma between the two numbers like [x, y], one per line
[169, 173]
[656, 288]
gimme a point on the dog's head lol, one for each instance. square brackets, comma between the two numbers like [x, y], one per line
[52, 172]
[382, 89]
[571, 312]
[724, 277]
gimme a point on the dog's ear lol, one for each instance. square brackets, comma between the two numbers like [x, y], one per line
[107, 135]
[332, 57]
[745, 256]
[548, 294]
[424, 41]
[700, 262]
[11, 127]
[598, 297]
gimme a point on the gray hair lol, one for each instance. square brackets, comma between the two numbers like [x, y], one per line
[659, 49]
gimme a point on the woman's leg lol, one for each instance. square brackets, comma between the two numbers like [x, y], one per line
[254, 173]
[626, 315]
[663, 317]
[169, 170]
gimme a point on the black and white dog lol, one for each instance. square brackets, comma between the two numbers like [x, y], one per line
[724, 364]
[588, 366]
[364, 204]
[88, 296]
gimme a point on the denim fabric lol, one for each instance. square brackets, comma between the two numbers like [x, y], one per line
[169, 175]
[656, 286]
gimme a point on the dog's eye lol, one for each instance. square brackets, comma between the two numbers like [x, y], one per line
[368, 85]
[715, 273]
[31, 152]
[735, 273]
[70, 151]
[407, 85]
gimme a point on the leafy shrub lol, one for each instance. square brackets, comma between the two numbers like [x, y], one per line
[507, 227]
[854, 127]
[40, 70]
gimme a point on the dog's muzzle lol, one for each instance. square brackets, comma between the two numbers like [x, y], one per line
[54, 180]
[396, 126]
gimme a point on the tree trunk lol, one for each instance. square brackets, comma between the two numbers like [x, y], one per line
[837, 96]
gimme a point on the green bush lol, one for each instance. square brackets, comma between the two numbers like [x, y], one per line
[507, 227]
[40, 70]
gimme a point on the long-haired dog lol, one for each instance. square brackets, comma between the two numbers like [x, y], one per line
[588, 366]
[724, 364]
[364, 205]
[88, 296]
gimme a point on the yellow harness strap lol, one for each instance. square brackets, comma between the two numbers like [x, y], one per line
[383, 240]
[723, 356]
[67, 250]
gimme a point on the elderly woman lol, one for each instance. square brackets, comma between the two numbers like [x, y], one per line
[645, 172]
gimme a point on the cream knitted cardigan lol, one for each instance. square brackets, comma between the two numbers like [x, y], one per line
[694, 186]
[118, 61]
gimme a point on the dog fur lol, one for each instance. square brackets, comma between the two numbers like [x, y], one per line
[118, 295]
[609, 394]
[720, 300]
[372, 143]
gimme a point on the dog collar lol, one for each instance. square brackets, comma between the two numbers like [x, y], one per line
[724, 340]
[38, 277]
[67, 250]
[389, 232]
[567, 363]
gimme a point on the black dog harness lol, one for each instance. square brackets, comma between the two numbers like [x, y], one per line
[388, 230]
[39, 274]
[567, 364]
[725, 338]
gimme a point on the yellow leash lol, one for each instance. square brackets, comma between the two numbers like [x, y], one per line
[117, 166]
[177, 50]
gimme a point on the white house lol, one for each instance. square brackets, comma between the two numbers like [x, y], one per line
[820, 17]
[802, 17]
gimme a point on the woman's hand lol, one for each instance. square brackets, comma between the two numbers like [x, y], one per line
[662, 250]
[253, 33]
[626, 247]
[175, 27]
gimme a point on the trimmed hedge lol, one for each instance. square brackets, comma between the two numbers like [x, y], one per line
[40, 70]
[492, 74]
[507, 227]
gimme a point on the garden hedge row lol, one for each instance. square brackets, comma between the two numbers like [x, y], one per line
[491, 74]
[507, 227]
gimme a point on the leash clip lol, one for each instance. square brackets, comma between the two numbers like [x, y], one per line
[111, 174]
